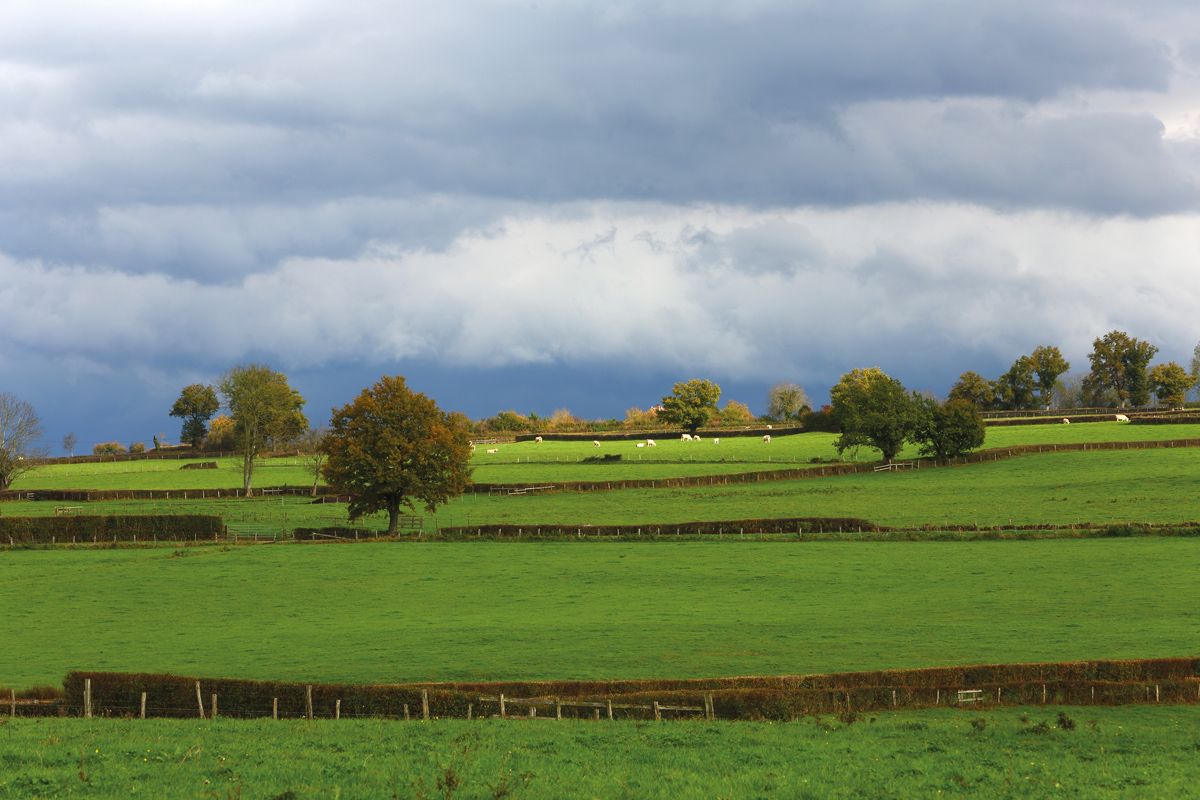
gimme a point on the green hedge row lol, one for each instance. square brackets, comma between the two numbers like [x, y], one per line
[782, 698]
[112, 528]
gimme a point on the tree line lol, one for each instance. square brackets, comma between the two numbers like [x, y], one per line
[1120, 376]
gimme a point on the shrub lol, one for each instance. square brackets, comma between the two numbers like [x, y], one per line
[137, 447]
[508, 421]
[220, 434]
[735, 413]
[820, 420]
[108, 449]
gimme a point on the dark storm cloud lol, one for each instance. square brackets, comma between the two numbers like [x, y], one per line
[620, 193]
[115, 126]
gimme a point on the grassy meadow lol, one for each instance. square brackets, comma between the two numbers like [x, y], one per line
[403, 612]
[471, 611]
[563, 461]
[1135, 752]
[1051, 489]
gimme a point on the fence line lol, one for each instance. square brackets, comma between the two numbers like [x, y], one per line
[720, 703]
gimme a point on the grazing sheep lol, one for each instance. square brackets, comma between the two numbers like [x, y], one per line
[687, 437]
[716, 441]
[1122, 418]
[767, 438]
[1066, 421]
[472, 448]
[595, 443]
[651, 443]
[641, 444]
[538, 439]
[768, 427]
[695, 438]
[494, 450]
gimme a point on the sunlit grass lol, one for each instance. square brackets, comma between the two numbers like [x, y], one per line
[397, 612]
[1138, 752]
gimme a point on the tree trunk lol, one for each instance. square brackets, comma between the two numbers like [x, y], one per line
[316, 478]
[393, 518]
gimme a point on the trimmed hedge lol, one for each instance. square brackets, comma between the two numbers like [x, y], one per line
[95, 495]
[1169, 680]
[111, 528]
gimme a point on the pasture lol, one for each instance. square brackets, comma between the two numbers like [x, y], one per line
[1051, 489]
[407, 612]
[563, 461]
[1138, 752]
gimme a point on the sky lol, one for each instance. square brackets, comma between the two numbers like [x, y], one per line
[543, 205]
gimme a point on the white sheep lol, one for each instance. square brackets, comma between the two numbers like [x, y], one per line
[595, 443]
[641, 444]
[494, 450]
[1066, 421]
[651, 443]
[1122, 418]
[716, 441]
[687, 437]
[538, 439]
[695, 438]
[767, 439]
[472, 448]
[768, 427]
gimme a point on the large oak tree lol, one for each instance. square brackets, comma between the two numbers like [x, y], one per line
[393, 446]
[874, 409]
[691, 404]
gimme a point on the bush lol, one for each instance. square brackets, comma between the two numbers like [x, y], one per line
[108, 449]
[137, 447]
[508, 421]
[735, 413]
[220, 434]
[820, 420]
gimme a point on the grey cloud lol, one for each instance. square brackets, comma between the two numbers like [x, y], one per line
[772, 246]
[692, 104]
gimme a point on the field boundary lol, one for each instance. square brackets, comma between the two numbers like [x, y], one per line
[1104, 682]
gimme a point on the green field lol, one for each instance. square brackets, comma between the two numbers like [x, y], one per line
[1051, 489]
[1061, 489]
[1136, 752]
[562, 461]
[407, 612]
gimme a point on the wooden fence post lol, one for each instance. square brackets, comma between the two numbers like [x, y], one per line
[12, 696]
[275, 708]
[470, 710]
[87, 698]
[558, 708]
[609, 704]
[308, 711]
[200, 699]
[337, 709]
[214, 705]
[406, 712]
[143, 705]
[657, 713]
[501, 706]
[708, 707]
[425, 704]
